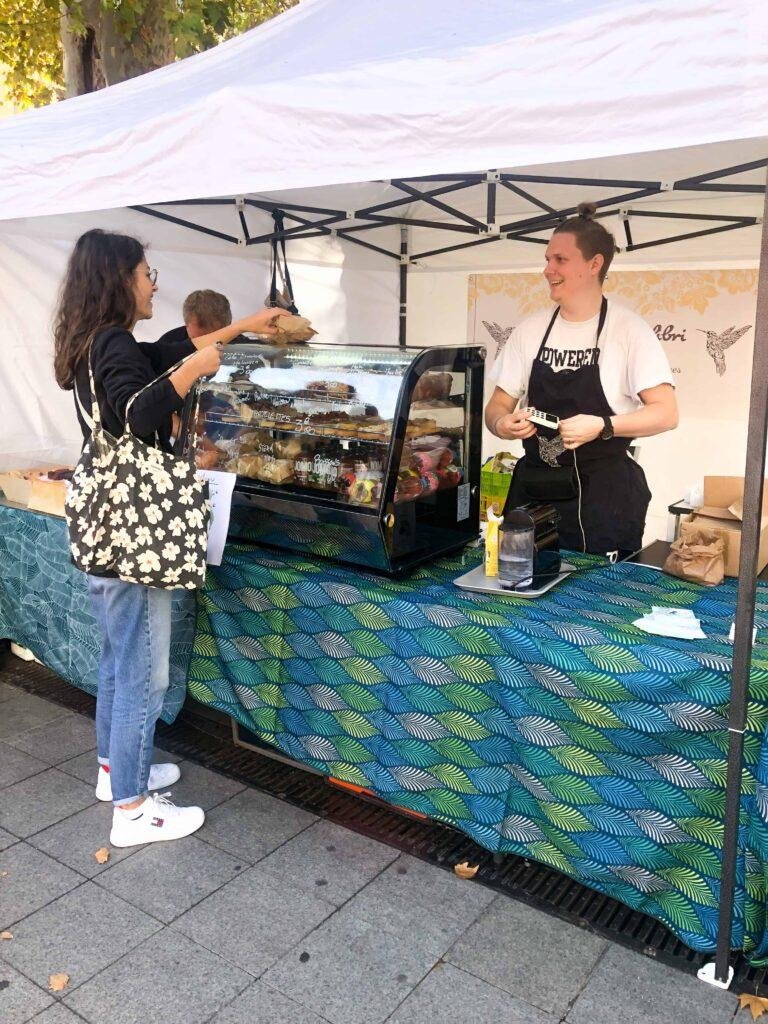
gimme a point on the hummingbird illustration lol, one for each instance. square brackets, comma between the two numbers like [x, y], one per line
[499, 334]
[718, 343]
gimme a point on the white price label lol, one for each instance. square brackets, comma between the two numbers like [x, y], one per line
[462, 502]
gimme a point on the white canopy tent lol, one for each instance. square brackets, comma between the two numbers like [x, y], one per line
[412, 134]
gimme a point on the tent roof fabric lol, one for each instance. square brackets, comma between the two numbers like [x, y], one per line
[333, 92]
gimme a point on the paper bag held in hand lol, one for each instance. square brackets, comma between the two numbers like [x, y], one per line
[292, 330]
[697, 555]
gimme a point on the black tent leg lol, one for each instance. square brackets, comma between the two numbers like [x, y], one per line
[745, 605]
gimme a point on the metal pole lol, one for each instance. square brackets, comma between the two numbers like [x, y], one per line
[403, 287]
[754, 473]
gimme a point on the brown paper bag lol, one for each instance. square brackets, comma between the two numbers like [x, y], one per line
[697, 555]
[292, 330]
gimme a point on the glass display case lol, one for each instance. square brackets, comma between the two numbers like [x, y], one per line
[369, 456]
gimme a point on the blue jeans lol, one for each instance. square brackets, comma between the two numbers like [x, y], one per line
[135, 625]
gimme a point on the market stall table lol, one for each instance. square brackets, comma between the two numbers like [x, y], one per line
[551, 729]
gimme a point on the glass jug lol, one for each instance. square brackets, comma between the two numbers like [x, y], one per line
[516, 550]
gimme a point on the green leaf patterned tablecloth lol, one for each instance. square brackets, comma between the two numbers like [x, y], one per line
[552, 729]
[44, 605]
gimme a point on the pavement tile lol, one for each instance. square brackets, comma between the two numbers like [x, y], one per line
[260, 1004]
[254, 919]
[32, 880]
[6, 692]
[6, 839]
[412, 897]
[252, 824]
[85, 766]
[57, 1014]
[195, 984]
[634, 989]
[35, 803]
[63, 738]
[448, 994]
[203, 788]
[336, 861]
[526, 952]
[75, 840]
[20, 1000]
[26, 711]
[166, 879]
[351, 971]
[80, 933]
[15, 765]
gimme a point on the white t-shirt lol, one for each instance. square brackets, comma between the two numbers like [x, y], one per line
[631, 357]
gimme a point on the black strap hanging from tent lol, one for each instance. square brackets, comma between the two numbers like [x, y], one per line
[284, 298]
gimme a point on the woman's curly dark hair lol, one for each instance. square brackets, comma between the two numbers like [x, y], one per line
[97, 292]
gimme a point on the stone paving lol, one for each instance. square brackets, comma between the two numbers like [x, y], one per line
[271, 915]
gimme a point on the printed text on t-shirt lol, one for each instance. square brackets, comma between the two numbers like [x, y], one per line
[569, 358]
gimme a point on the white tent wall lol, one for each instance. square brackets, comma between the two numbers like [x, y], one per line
[349, 304]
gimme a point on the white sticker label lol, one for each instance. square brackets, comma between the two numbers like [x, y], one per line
[462, 502]
[220, 487]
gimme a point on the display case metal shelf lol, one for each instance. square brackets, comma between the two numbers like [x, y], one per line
[369, 456]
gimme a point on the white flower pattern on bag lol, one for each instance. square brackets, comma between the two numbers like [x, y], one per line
[126, 501]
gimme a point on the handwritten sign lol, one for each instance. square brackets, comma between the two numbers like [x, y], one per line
[220, 488]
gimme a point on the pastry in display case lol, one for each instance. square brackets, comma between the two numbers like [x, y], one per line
[369, 456]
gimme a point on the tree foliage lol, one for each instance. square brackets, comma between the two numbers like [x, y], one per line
[55, 48]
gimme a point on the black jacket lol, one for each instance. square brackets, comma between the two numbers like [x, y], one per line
[121, 367]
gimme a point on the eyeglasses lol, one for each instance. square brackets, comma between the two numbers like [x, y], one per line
[152, 275]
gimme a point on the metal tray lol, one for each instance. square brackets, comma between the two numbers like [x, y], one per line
[477, 581]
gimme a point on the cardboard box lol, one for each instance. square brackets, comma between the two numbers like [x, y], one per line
[495, 478]
[15, 485]
[47, 495]
[723, 510]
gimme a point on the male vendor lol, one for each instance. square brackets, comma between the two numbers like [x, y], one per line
[600, 369]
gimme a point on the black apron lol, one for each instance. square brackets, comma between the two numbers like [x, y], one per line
[614, 494]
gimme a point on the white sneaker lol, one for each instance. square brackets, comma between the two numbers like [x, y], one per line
[161, 776]
[158, 820]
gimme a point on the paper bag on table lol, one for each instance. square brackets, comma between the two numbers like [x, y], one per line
[697, 555]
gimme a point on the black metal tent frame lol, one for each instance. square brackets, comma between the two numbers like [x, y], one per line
[314, 221]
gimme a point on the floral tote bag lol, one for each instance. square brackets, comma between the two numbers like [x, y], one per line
[136, 511]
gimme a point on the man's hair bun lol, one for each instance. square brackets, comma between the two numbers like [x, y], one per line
[586, 210]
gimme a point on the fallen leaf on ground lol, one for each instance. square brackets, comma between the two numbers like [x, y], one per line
[58, 982]
[102, 856]
[464, 870]
[755, 1004]
[6, 935]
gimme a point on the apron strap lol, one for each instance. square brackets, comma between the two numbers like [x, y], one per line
[600, 325]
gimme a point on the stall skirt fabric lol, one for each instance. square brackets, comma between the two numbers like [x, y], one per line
[44, 605]
[554, 729]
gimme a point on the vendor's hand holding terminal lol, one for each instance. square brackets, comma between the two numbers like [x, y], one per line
[578, 430]
[514, 426]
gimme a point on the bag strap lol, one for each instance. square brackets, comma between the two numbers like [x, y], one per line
[280, 266]
[132, 399]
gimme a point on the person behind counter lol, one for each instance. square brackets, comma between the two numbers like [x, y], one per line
[599, 368]
[107, 288]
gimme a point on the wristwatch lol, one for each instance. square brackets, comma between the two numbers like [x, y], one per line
[607, 432]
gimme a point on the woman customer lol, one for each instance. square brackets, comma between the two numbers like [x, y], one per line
[107, 289]
[599, 369]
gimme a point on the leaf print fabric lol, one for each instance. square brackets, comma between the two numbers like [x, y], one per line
[552, 729]
[44, 605]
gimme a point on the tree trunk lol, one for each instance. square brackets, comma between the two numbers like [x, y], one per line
[104, 55]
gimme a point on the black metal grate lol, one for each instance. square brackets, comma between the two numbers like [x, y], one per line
[205, 737]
